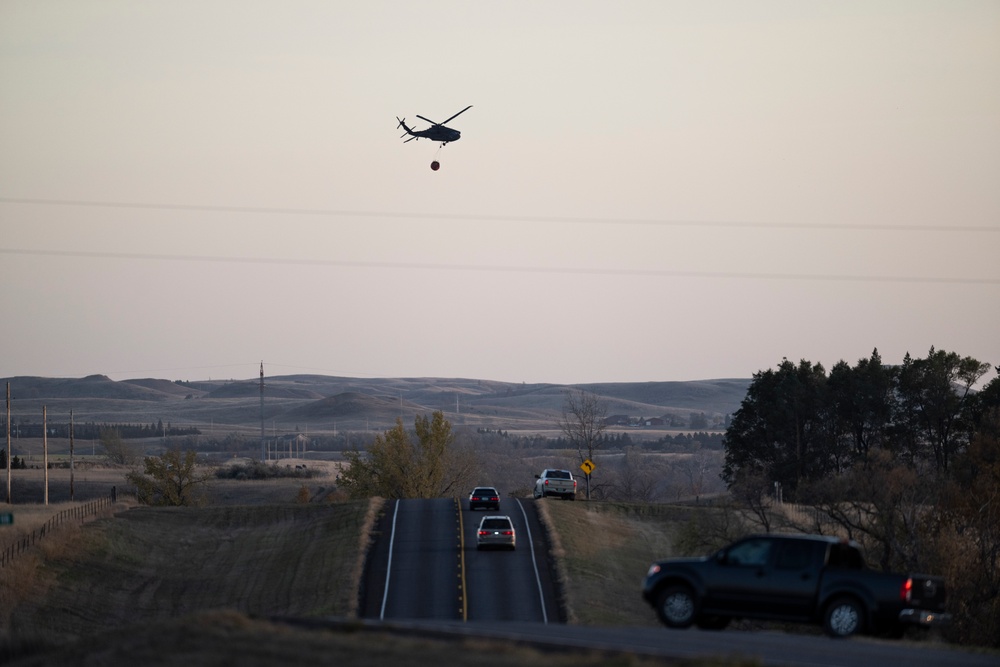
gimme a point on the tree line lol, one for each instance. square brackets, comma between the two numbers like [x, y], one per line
[92, 430]
[16, 463]
[799, 424]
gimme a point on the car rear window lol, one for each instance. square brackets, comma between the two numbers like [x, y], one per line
[496, 524]
[484, 492]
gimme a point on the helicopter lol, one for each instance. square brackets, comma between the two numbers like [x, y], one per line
[436, 132]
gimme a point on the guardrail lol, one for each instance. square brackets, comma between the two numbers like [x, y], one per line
[79, 513]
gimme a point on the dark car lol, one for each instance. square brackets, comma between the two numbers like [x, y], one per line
[807, 578]
[484, 497]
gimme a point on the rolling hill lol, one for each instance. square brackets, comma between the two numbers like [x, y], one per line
[321, 402]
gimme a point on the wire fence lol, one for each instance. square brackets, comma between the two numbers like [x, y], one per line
[80, 514]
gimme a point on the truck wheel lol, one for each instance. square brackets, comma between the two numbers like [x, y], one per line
[677, 606]
[844, 617]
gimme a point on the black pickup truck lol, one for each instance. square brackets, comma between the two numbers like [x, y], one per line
[806, 578]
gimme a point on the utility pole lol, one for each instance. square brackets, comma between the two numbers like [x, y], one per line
[71, 494]
[45, 450]
[8, 444]
[263, 454]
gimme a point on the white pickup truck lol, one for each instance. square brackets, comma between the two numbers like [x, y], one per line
[555, 483]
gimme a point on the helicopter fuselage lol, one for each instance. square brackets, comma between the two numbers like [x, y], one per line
[438, 133]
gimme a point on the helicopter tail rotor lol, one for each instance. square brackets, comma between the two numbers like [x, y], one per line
[402, 124]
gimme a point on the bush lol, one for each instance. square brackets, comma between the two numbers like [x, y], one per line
[258, 470]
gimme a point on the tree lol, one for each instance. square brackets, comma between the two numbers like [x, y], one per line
[637, 477]
[583, 422]
[393, 467]
[881, 503]
[170, 479]
[936, 411]
[117, 450]
[753, 490]
[781, 430]
[699, 421]
[862, 402]
[969, 536]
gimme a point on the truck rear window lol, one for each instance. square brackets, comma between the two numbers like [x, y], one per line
[558, 474]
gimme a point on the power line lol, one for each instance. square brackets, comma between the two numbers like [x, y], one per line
[496, 268]
[345, 213]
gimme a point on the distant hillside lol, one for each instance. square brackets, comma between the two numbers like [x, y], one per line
[166, 387]
[350, 407]
[325, 402]
[252, 390]
[92, 386]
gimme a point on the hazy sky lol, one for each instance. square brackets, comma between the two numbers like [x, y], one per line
[645, 190]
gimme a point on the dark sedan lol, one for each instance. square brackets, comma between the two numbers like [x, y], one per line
[484, 497]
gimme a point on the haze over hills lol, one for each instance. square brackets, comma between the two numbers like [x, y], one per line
[320, 403]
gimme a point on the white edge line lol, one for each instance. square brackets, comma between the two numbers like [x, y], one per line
[388, 569]
[534, 563]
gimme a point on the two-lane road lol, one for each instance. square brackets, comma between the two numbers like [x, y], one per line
[425, 565]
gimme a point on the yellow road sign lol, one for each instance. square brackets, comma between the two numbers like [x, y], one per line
[587, 466]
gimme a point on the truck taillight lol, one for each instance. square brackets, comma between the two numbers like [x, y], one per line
[574, 483]
[906, 590]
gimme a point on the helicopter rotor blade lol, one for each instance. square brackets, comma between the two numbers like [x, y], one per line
[430, 121]
[456, 115]
[401, 121]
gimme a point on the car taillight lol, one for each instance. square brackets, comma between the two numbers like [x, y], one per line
[508, 532]
[484, 532]
[475, 497]
[906, 590]
[494, 498]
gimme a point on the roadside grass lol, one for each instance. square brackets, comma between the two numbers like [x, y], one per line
[604, 550]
